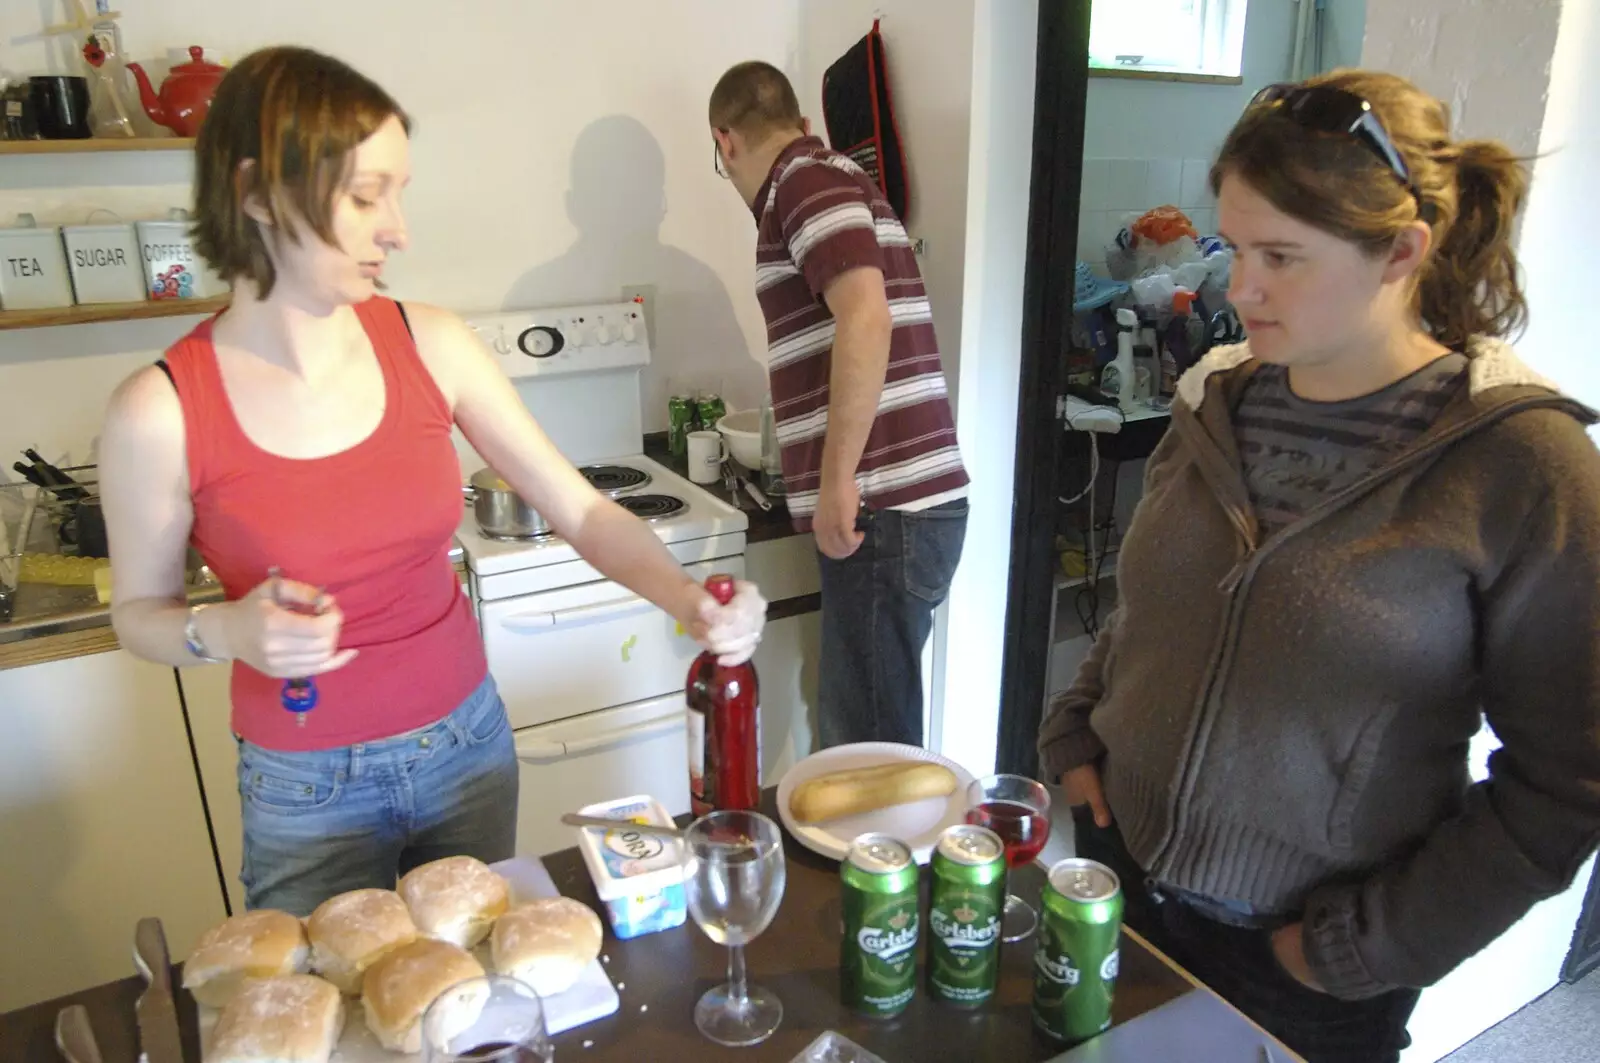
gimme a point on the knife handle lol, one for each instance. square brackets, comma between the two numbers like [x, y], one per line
[150, 953]
[74, 1035]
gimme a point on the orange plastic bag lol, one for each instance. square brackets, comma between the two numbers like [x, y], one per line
[1163, 225]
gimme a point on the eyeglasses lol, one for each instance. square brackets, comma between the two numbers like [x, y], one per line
[1325, 109]
[716, 160]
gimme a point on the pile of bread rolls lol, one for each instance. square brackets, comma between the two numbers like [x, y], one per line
[281, 984]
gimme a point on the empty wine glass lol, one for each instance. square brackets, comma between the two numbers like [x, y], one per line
[734, 874]
[1018, 809]
[486, 1020]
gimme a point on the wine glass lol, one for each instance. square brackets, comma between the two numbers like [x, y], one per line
[492, 1019]
[733, 876]
[1018, 809]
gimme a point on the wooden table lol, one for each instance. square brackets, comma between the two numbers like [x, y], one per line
[660, 976]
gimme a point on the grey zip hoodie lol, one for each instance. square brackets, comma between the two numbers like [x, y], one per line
[1286, 724]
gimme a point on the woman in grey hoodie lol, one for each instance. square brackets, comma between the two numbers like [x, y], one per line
[1370, 528]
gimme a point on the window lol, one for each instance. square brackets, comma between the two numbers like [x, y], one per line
[1168, 36]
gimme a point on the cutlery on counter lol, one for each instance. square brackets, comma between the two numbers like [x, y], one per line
[75, 1037]
[572, 819]
[156, 1010]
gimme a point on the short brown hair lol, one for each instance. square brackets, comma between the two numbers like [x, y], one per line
[294, 115]
[756, 99]
[1468, 191]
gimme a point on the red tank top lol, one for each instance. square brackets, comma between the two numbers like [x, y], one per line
[371, 525]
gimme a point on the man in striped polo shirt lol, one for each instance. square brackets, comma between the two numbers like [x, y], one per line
[858, 392]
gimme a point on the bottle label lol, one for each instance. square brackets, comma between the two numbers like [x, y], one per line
[698, 795]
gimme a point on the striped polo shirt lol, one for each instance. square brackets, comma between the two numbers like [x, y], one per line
[820, 215]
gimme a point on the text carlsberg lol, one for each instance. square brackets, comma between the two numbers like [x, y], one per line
[957, 935]
[887, 944]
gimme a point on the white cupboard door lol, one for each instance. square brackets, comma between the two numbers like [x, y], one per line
[100, 824]
[207, 699]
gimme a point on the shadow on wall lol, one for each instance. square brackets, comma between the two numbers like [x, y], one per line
[617, 201]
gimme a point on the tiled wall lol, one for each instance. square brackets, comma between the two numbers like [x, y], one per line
[1114, 188]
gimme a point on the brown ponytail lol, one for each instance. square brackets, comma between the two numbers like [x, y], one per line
[1470, 194]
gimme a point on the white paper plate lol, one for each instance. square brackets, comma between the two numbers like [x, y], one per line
[917, 823]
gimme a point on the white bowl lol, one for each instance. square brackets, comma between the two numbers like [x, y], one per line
[742, 430]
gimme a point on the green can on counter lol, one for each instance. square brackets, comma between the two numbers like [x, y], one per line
[680, 422]
[1075, 964]
[878, 953]
[710, 409]
[968, 895]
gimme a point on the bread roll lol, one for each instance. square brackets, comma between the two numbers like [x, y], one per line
[857, 790]
[354, 930]
[401, 986]
[257, 944]
[456, 899]
[291, 1018]
[546, 943]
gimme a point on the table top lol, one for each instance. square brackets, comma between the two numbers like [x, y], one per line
[660, 976]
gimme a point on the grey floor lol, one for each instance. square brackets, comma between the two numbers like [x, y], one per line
[1563, 1026]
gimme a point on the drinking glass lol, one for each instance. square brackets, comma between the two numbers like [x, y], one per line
[1018, 809]
[486, 1020]
[733, 877]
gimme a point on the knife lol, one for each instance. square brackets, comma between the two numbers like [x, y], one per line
[74, 1035]
[156, 1010]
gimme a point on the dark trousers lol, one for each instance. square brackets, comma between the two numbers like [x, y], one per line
[1238, 963]
[877, 613]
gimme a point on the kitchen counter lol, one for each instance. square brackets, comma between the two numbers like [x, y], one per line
[660, 976]
[765, 525]
[49, 623]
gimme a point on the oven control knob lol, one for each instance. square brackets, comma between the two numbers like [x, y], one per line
[604, 333]
[630, 332]
[500, 344]
[541, 341]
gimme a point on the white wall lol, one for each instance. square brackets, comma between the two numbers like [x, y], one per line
[560, 153]
[928, 47]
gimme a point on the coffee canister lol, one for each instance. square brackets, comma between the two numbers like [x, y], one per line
[104, 262]
[33, 269]
[172, 267]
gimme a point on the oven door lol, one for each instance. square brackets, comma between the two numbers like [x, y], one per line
[632, 749]
[564, 653]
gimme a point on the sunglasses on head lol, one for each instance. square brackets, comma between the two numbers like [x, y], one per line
[1325, 109]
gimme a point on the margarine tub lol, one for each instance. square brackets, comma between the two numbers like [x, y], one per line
[639, 877]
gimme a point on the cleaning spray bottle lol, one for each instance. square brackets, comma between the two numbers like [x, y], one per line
[1116, 380]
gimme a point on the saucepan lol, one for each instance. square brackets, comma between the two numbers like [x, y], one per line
[501, 512]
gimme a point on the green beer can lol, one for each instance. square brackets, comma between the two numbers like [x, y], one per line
[878, 953]
[1075, 964]
[680, 422]
[710, 410]
[968, 896]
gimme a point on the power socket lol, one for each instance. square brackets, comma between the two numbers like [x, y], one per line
[647, 292]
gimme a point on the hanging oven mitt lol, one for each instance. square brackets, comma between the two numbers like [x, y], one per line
[857, 110]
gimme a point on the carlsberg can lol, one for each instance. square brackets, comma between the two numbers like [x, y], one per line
[878, 955]
[1075, 965]
[968, 897]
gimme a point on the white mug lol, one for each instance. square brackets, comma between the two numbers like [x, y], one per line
[707, 452]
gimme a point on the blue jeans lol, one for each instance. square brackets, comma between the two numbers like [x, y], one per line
[323, 822]
[877, 613]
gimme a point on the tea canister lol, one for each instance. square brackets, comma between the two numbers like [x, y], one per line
[104, 262]
[172, 267]
[33, 269]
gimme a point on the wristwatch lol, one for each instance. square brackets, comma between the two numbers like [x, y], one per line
[192, 640]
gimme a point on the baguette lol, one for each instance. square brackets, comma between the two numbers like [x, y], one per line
[857, 790]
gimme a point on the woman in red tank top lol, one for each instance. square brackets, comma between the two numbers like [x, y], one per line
[301, 442]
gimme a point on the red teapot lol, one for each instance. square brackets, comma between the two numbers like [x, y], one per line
[185, 96]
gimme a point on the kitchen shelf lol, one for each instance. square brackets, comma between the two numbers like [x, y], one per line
[1108, 570]
[88, 315]
[95, 145]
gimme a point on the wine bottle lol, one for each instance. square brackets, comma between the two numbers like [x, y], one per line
[724, 727]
